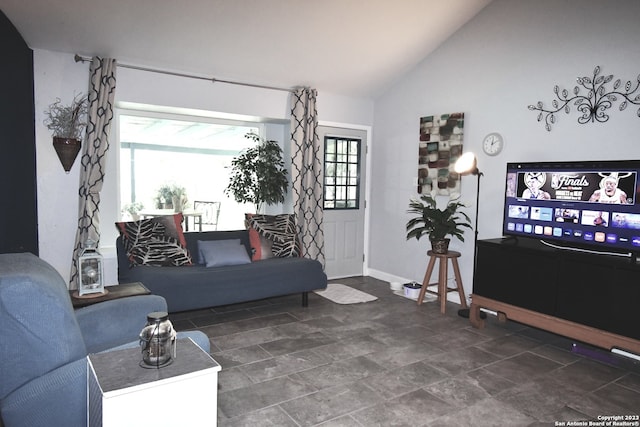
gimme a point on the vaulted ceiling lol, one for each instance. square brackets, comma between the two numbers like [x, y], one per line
[348, 47]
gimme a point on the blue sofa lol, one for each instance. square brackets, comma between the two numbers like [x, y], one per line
[198, 286]
[44, 342]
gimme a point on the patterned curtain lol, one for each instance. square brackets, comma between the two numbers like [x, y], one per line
[102, 87]
[306, 172]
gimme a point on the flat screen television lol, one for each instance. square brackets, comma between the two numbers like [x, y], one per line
[591, 205]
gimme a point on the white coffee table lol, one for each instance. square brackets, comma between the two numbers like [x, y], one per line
[123, 393]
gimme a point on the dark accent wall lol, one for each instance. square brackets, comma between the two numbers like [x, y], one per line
[18, 196]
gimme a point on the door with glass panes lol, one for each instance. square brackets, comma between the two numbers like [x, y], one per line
[343, 203]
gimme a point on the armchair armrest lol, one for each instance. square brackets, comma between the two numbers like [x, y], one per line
[57, 398]
[112, 323]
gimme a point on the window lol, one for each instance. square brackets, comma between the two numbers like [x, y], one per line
[191, 152]
[341, 173]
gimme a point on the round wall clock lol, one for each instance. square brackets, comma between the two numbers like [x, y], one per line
[492, 144]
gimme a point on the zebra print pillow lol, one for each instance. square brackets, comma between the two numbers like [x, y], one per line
[149, 242]
[160, 251]
[280, 230]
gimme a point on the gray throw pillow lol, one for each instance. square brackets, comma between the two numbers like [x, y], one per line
[221, 255]
[210, 244]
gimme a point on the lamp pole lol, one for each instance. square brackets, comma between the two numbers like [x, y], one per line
[469, 167]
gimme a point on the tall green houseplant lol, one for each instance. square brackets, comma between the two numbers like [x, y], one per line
[258, 174]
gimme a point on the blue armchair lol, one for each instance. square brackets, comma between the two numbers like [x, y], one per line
[44, 342]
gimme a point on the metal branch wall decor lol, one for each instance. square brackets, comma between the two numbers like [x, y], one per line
[594, 104]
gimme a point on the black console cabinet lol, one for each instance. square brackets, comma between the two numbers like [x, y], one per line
[590, 297]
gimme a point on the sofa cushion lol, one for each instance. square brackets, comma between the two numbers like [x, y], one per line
[160, 251]
[261, 247]
[172, 226]
[157, 241]
[199, 287]
[221, 255]
[210, 244]
[280, 230]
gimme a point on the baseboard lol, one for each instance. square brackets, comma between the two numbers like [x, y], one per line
[381, 275]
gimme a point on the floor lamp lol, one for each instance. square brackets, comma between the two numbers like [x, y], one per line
[467, 164]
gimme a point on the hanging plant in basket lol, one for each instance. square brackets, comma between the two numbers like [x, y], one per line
[437, 223]
[67, 124]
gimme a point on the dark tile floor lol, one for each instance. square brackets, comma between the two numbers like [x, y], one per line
[392, 363]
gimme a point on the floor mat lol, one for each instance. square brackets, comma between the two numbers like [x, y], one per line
[342, 294]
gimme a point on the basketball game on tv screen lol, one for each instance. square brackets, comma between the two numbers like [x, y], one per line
[581, 204]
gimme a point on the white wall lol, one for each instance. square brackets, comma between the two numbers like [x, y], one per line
[509, 56]
[57, 75]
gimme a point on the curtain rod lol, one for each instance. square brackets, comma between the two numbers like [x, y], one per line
[79, 58]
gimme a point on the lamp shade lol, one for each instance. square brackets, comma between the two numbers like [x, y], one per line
[467, 164]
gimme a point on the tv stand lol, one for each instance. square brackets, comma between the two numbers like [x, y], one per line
[511, 239]
[590, 298]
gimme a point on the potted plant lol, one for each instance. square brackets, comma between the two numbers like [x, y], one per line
[437, 223]
[178, 198]
[132, 209]
[171, 196]
[258, 174]
[67, 123]
[164, 197]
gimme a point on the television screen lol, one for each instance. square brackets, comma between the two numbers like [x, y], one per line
[589, 205]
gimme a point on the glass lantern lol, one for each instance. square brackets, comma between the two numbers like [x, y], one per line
[158, 340]
[90, 268]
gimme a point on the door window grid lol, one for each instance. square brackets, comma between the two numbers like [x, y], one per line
[341, 173]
